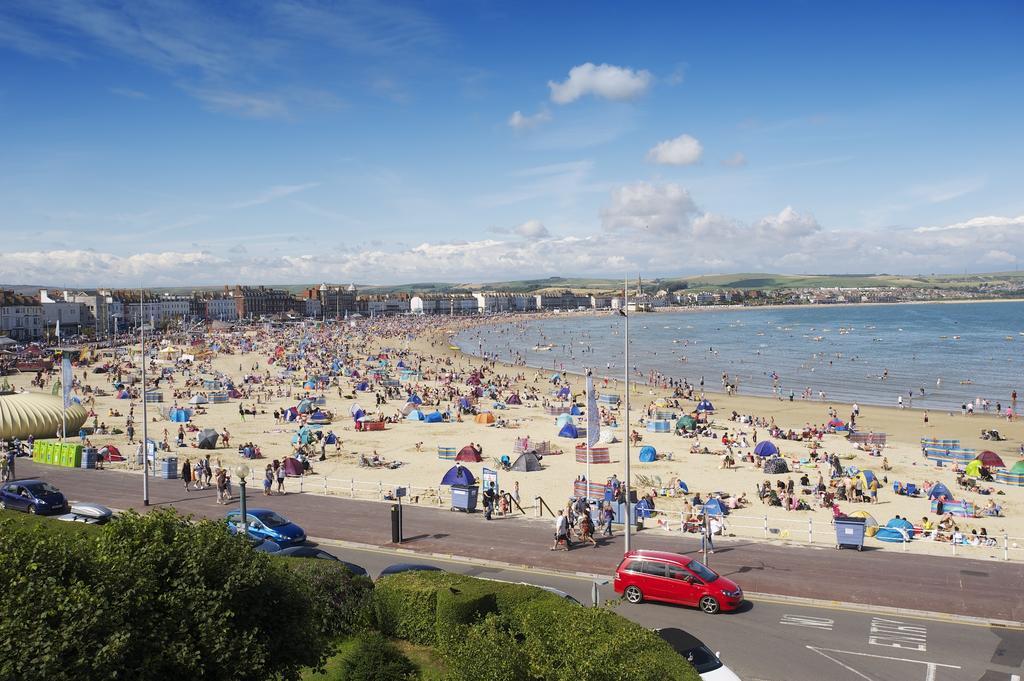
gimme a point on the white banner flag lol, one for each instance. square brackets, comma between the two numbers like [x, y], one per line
[66, 379]
[593, 415]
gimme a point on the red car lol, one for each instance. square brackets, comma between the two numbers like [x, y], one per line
[674, 578]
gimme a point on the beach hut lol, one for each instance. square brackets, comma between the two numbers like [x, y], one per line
[469, 453]
[527, 462]
[485, 418]
[990, 459]
[569, 430]
[870, 524]
[766, 448]
[648, 454]
[446, 453]
[705, 406]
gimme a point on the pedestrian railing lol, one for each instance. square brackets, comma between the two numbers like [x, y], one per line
[818, 532]
[368, 490]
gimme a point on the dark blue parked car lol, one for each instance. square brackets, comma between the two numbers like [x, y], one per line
[267, 524]
[32, 496]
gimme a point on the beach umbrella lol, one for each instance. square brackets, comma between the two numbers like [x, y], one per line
[766, 448]
[208, 439]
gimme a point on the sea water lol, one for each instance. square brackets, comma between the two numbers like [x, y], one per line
[936, 356]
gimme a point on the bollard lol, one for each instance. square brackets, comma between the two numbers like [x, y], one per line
[325, 485]
[810, 531]
[766, 527]
[352, 488]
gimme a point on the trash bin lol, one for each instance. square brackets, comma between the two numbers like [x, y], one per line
[169, 468]
[850, 532]
[464, 497]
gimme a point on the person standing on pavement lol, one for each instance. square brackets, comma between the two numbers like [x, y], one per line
[186, 473]
[268, 480]
[280, 479]
[489, 501]
[608, 515]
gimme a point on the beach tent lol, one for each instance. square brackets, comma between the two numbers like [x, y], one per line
[408, 407]
[686, 422]
[973, 469]
[569, 430]
[870, 524]
[414, 415]
[705, 406]
[648, 454]
[776, 466]
[607, 436]
[111, 453]
[179, 415]
[514, 399]
[208, 439]
[303, 436]
[290, 414]
[940, 491]
[305, 406]
[563, 392]
[464, 403]
[526, 463]
[766, 448]
[363, 387]
[897, 530]
[469, 453]
[837, 424]
[458, 475]
[414, 399]
[564, 419]
[484, 417]
[433, 417]
[715, 507]
[576, 411]
[330, 438]
[292, 467]
[356, 411]
[866, 478]
[199, 399]
[990, 459]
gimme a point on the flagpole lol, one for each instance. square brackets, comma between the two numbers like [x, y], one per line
[625, 312]
[590, 389]
[63, 389]
[145, 419]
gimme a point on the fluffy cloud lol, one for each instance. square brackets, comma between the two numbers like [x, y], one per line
[648, 208]
[521, 121]
[788, 224]
[680, 151]
[604, 80]
[532, 229]
[990, 222]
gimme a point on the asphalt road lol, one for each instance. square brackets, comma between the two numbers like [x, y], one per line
[771, 641]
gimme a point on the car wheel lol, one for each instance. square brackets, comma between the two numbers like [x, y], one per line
[709, 605]
[633, 594]
[32, 509]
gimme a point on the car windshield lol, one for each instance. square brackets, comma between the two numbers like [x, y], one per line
[38, 488]
[702, 571]
[703, 660]
[272, 519]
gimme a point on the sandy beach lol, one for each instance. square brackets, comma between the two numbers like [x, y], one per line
[415, 443]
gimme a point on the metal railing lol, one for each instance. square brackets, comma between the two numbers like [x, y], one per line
[818, 532]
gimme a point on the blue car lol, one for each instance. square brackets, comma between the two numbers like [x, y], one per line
[267, 524]
[32, 496]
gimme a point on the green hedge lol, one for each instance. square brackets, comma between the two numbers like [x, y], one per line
[487, 629]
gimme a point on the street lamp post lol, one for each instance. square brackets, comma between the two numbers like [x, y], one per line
[323, 301]
[145, 418]
[625, 313]
[242, 471]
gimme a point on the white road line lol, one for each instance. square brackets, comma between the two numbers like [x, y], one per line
[930, 667]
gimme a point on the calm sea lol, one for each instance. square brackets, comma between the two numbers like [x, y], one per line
[871, 354]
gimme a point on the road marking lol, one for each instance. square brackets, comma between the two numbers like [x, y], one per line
[822, 623]
[897, 634]
[930, 667]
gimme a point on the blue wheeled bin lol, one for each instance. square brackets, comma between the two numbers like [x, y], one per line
[464, 497]
[850, 532]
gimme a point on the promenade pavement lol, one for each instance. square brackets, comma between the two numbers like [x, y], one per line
[959, 586]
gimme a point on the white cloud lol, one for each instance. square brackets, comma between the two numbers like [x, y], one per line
[788, 224]
[609, 82]
[276, 192]
[1000, 256]
[737, 160]
[980, 223]
[655, 209]
[680, 151]
[521, 121]
[532, 229]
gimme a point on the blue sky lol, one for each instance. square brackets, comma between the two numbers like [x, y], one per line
[471, 141]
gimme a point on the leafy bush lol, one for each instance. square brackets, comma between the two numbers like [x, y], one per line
[153, 597]
[342, 598]
[375, 658]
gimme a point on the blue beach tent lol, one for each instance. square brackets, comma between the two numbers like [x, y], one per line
[648, 454]
[766, 448]
[569, 430]
[715, 507]
[434, 417]
[939, 491]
